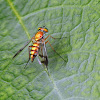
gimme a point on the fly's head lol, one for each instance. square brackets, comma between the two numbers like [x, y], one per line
[41, 33]
[43, 29]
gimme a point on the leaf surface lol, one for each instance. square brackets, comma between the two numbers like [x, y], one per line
[77, 78]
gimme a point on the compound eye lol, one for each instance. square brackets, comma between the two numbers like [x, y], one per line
[46, 30]
[38, 29]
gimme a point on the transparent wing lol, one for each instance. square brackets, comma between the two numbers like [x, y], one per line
[43, 58]
[23, 47]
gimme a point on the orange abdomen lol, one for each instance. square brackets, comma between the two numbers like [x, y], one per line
[34, 51]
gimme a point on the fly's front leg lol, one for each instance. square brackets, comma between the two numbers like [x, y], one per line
[49, 36]
[53, 37]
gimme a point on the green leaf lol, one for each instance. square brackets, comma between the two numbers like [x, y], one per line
[77, 78]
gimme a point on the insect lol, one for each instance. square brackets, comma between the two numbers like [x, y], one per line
[38, 48]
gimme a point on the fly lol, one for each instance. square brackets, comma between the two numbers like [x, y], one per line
[38, 47]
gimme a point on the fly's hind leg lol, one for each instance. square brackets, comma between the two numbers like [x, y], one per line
[55, 51]
[29, 57]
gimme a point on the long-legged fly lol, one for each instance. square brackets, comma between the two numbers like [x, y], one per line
[38, 48]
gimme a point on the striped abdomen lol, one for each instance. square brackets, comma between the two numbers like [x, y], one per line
[34, 51]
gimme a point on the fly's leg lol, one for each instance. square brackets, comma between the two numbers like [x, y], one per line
[53, 37]
[55, 51]
[39, 60]
[23, 47]
[49, 36]
[29, 57]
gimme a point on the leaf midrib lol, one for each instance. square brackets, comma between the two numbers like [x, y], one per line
[18, 17]
[27, 33]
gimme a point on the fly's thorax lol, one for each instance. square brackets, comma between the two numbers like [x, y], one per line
[39, 35]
